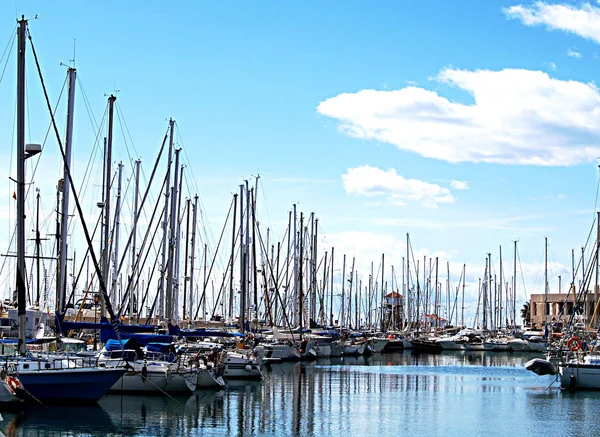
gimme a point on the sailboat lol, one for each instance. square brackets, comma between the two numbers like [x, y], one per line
[49, 379]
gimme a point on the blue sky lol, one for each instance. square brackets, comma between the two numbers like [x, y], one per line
[466, 124]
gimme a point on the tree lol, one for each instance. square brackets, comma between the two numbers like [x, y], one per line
[526, 313]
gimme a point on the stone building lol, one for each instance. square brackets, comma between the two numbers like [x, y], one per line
[558, 307]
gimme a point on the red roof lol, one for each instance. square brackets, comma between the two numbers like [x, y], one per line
[394, 295]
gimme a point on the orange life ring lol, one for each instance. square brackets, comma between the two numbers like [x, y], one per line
[574, 344]
[13, 384]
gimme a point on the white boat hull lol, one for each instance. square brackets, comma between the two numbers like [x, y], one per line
[579, 376]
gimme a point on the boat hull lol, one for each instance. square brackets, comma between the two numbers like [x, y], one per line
[579, 376]
[68, 386]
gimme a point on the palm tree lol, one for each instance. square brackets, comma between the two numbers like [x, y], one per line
[526, 313]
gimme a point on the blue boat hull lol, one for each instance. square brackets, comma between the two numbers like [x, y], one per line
[68, 386]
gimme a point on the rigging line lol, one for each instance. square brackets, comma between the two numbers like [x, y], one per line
[266, 205]
[8, 46]
[136, 266]
[75, 196]
[123, 122]
[180, 137]
[597, 193]
[87, 104]
[120, 120]
[141, 206]
[32, 176]
[204, 284]
[85, 181]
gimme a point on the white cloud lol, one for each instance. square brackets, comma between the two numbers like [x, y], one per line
[581, 20]
[517, 117]
[459, 185]
[551, 66]
[572, 53]
[371, 181]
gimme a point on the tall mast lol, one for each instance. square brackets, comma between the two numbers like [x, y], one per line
[254, 263]
[247, 253]
[295, 247]
[163, 263]
[38, 244]
[324, 287]
[500, 291]
[462, 313]
[515, 289]
[382, 292]
[21, 30]
[314, 268]
[300, 284]
[133, 294]
[185, 259]
[193, 256]
[341, 323]
[408, 292]
[175, 306]
[172, 240]
[108, 174]
[545, 313]
[233, 232]
[61, 279]
[331, 292]
[242, 263]
[113, 294]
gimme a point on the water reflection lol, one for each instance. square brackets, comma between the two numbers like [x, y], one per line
[419, 394]
[58, 421]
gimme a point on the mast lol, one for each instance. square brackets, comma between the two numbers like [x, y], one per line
[300, 285]
[324, 285]
[21, 30]
[331, 292]
[38, 242]
[408, 292]
[133, 296]
[113, 294]
[254, 269]
[175, 305]
[163, 266]
[108, 174]
[341, 323]
[193, 256]
[500, 290]
[295, 247]
[545, 312]
[204, 283]
[61, 279]
[462, 313]
[515, 289]
[185, 259]
[233, 232]
[247, 254]
[242, 263]
[172, 239]
[382, 293]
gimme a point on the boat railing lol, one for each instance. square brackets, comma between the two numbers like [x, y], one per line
[45, 362]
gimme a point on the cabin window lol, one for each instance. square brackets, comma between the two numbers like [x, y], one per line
[47, 365]
[25, 366]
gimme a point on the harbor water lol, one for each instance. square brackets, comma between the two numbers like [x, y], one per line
[445, 394]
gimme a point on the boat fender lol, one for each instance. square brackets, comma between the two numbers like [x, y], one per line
[248, 367]
[574, 344]
[13, 384]
[144, 372]
[3, 373]
[572, 382]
